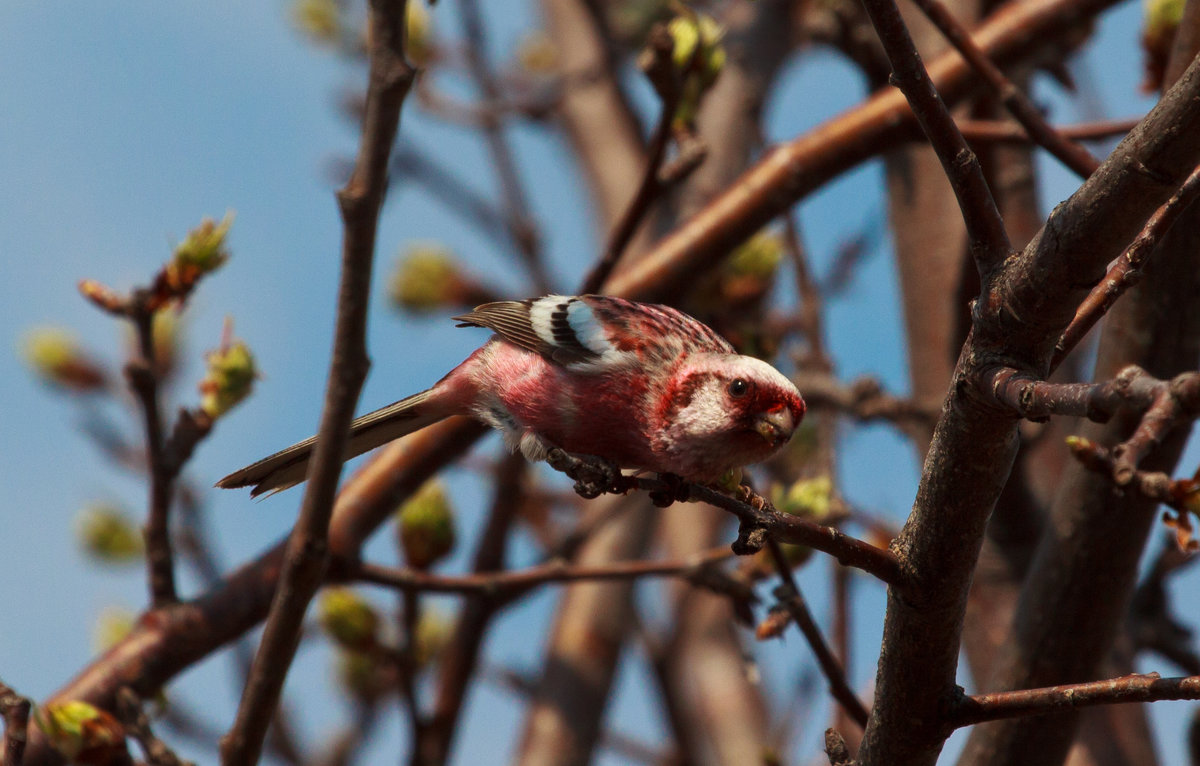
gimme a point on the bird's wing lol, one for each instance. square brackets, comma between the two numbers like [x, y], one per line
[596, 333]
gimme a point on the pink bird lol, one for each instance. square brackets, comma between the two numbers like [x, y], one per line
[639, 385]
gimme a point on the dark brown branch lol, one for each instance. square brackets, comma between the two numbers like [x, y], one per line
[989, 243]
[790, 596]
[1003, 131]
[505, 584]
[137, 725]
[15, 710]
[650, 186]
[307, 556]
[863, 399]
[755, 512]
[517, 216]
[1148, 687]
[460, 659]
[1127, 271]
[791, 171]
[1014, 99]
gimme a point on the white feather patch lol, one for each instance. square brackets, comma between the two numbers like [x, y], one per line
[588, 329]
[541, 313]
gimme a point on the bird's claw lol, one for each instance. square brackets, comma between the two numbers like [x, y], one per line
[676, 490]
[593, 475]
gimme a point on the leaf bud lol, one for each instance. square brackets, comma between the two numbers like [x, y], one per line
[426, 526]
[54, 355]
[229, 378]
[83, 733]
[109, 535]
[202, 252]
[348, 618]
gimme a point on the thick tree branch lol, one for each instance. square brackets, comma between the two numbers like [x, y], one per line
[307, 555]
[1029, 304]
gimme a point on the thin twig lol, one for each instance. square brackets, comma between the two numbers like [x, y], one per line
[137, 725]
[458, 662]
[793, 600]
[651, 185]
[15, 710]
[1127, 271]
[516, 207]
[1014, 99]
[1004, 131]
[307, 556]
[989, 242]
[507, 583]
[1148, 687]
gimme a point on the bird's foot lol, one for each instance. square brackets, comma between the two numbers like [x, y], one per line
[676, 490]
[593, 475]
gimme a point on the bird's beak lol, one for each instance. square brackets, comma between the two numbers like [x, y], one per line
[776, 426]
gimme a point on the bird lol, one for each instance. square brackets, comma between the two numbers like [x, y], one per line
[640, 386]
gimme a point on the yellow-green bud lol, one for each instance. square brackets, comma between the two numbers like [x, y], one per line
[108, 534]
[812, 498]
[82, 732]
[112, 626]
[348, 618]
[319, 19]
[228, 380]
[434, 631]
[427, 278]
[758, 256]
[54, 354]
[1161, 19]
[426, 523]
[698, 56]
[419, 46]
[202, 252]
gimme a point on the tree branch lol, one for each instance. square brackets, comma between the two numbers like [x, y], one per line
[789, 595]
[1068, 152]
[307, 555]
[988, 239]
[15, 710]
[1148, 687]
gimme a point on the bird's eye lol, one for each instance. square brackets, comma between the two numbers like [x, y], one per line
[739, 387]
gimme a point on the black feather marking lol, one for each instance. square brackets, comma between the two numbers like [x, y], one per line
[565, 335]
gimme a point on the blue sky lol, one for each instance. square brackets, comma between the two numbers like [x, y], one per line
[124, 125]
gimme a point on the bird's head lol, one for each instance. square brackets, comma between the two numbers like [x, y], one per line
[726, 411]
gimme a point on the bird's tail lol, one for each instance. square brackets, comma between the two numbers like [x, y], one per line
[288, 467]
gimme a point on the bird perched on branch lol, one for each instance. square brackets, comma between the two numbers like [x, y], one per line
[638, 385]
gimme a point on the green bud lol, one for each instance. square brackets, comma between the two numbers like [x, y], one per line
[112, 626]
[202, 252]
[348, 618]
[1162, 16]
[698, 56]
[82, 732]
[434, 631]
[54, 355]
[228, 380]
[319, 19]
[757, 257]
[419, 46]
[426, 524]
[427, 278]
[109, 535]
[811, 498]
